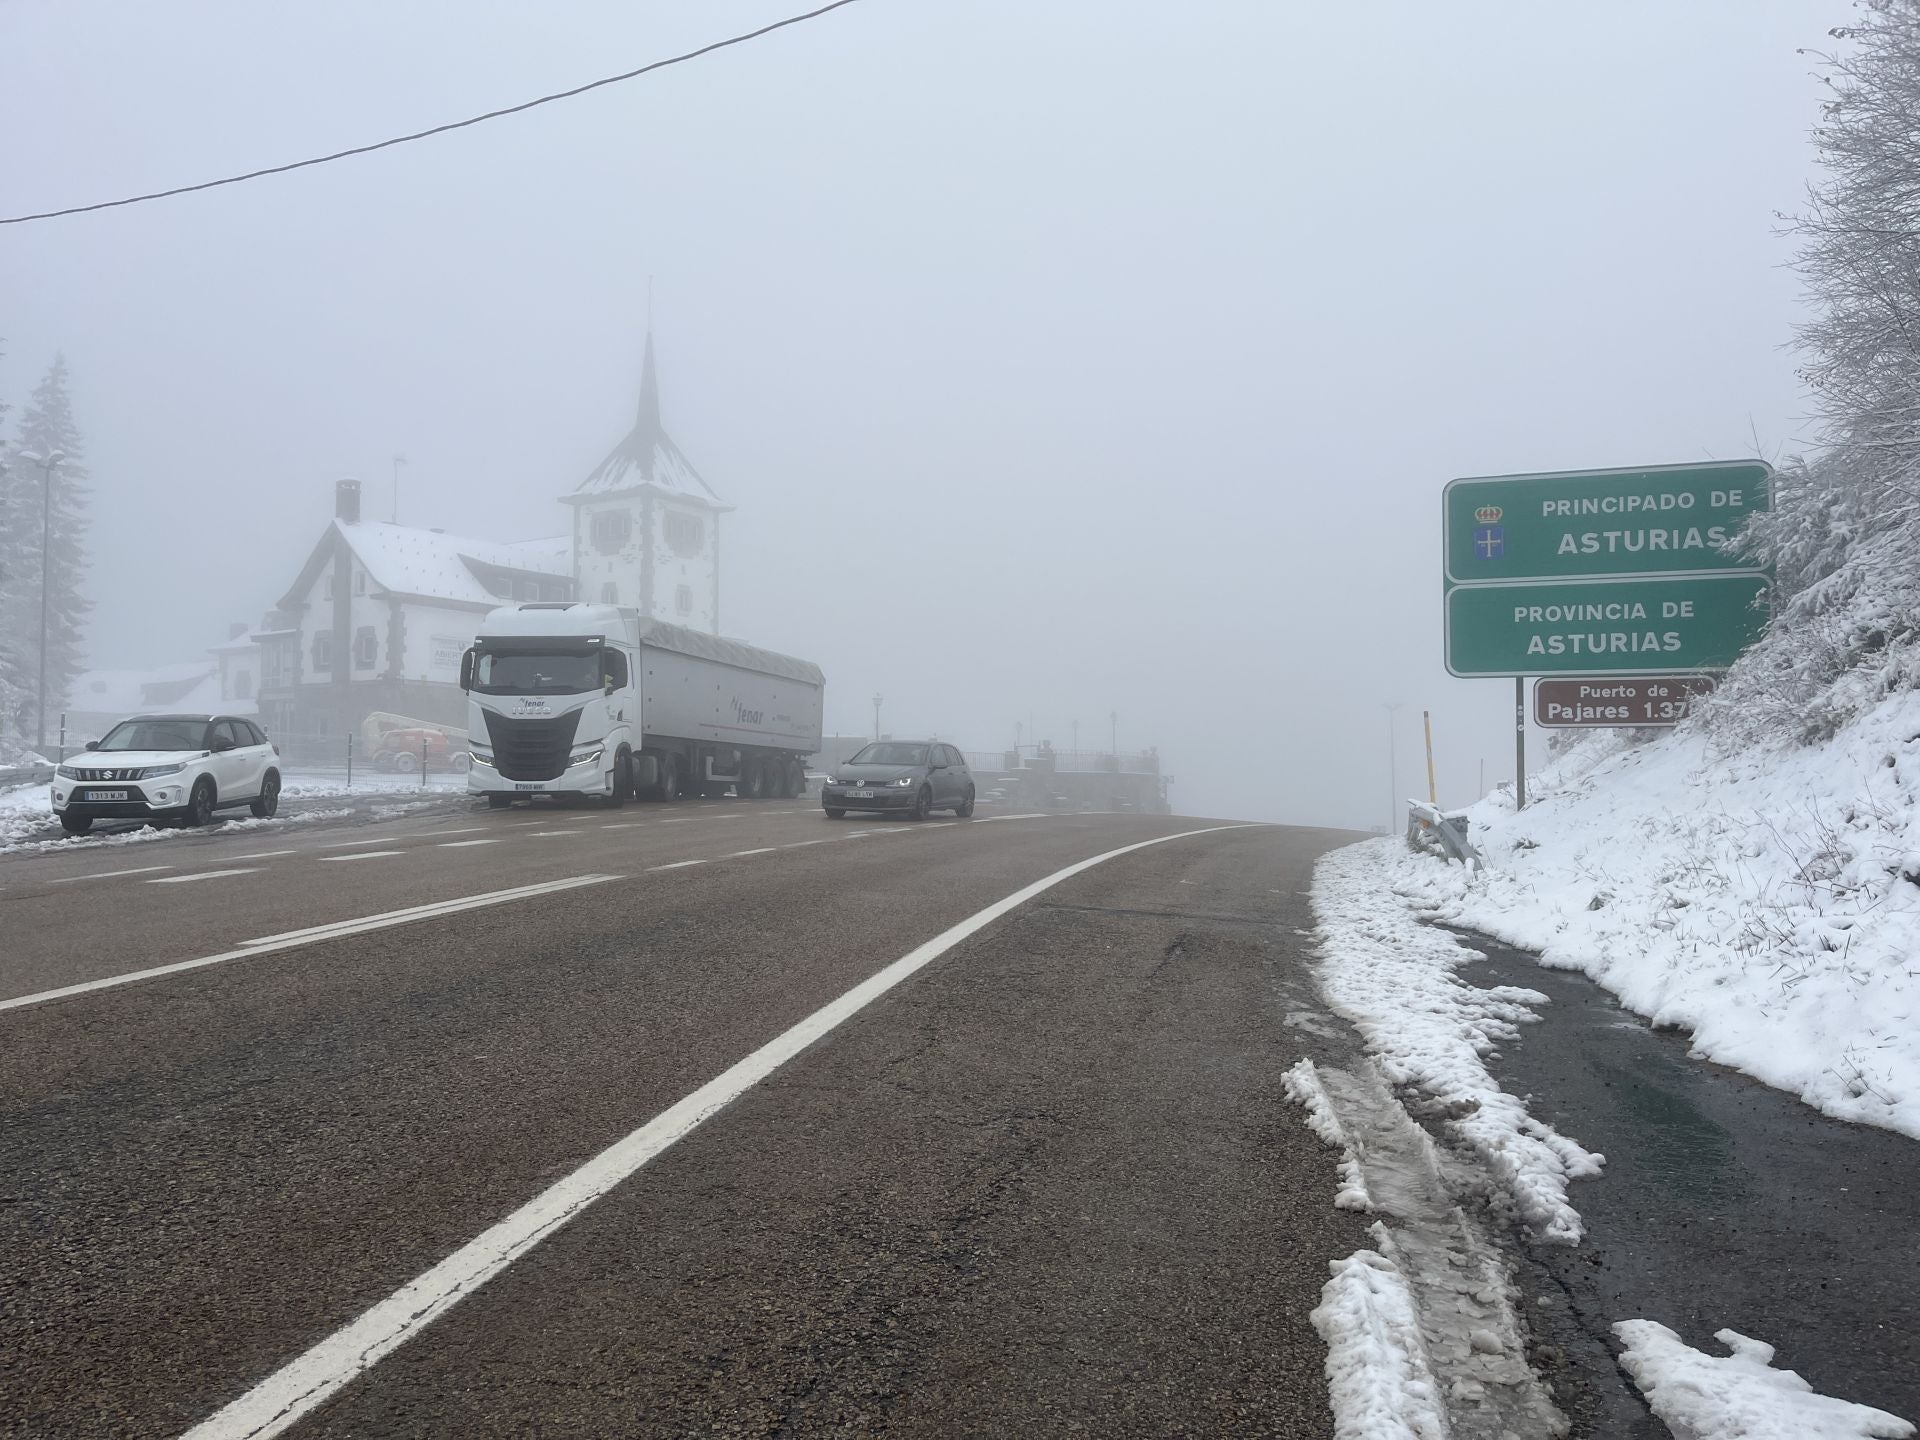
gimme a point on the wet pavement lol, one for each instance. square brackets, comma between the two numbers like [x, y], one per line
[1724, 1203]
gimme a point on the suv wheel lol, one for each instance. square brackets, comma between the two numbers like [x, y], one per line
[268, 803]
[76, 824]
[200, 803]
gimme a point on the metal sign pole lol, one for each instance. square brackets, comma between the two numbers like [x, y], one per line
[1519, 742]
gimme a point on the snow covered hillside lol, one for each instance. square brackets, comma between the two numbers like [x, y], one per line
[1766, 899]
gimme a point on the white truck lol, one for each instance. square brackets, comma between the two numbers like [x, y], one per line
[566, 698]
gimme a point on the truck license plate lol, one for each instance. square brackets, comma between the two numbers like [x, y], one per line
[530, 785]
[106, 795]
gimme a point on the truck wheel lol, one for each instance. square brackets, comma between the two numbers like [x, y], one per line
[669, 786]
[753, 780]
[622, 781]
[922, 803]
[796, 785]
[497, 801]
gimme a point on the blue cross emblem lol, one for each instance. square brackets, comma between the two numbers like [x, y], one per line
[1489, 542]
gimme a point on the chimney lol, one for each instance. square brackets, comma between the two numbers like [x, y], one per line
[346, 501]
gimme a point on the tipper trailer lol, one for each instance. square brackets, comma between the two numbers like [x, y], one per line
[566, 698]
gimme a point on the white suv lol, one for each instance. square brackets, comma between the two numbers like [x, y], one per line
[180, 767]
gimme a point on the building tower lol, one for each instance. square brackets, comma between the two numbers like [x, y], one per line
[646, 526]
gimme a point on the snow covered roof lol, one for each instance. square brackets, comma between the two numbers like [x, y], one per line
[191, 685]
[648, 455]
[433, 565]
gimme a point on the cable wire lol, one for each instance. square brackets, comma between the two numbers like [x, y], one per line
[435, 130]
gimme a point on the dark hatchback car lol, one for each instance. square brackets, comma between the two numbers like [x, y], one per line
[902, 777]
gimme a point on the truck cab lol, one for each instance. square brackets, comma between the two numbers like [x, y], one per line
[553, 707]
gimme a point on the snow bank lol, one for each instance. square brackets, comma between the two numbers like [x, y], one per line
[1305, 1090]
[1378, 1380]
[1394, 978]
[1739, 1396]
[1766, 901]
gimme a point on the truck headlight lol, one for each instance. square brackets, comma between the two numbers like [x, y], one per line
[592, 757]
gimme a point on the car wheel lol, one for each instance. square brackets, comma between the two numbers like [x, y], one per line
[965, 811]
[834, 813]
[200, 803]
[76, 824]
[267, 803]
[922, 803]
[497, 801]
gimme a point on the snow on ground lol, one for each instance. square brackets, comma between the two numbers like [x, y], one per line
[1739, 1396]
[1305, 1090]
[1428, 1030]
[1766, 901]
[1378, 1381]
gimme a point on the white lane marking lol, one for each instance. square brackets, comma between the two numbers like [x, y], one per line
[623, 824]
[358, 855]
[266, 854]
[457, 844]
[734, 816]
[306, 1381]
[201, 875]
[108, 874]
[267, 944]
[463, 830]
[677, 820]
[989, 819]
[349, 844]
[763, 850]
[801, 844]
[553, 832]
[676, 865]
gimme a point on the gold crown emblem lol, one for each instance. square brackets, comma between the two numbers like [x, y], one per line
[1488, 514]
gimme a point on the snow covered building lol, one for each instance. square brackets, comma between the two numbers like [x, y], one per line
[380, 614]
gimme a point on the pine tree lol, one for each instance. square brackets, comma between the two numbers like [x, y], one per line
[16, 660]
[46, 425]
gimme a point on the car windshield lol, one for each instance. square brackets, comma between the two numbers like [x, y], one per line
[156, 735]
[891, 754]
[536, 672]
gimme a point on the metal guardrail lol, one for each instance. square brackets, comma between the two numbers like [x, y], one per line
[1443, 832]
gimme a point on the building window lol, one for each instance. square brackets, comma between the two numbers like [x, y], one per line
[609, 530]
[243, 685]
[359, 582]
[683, 599]
[526, 589]
[610, 593]
[327, 593]
[686, 534]
[322, 651]
[365, 648]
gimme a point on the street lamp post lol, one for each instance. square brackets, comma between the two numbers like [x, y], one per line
[876, 714]
[48, 461]
[1393, 767]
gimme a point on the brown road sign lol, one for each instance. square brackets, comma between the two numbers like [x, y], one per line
[1599, 704]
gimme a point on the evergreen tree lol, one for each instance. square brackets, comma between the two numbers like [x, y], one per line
[16, 660]
[46, 425]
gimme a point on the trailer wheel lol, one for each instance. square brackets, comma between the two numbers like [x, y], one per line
[669, 786]
[753, 780]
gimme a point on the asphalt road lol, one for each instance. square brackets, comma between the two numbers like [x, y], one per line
[1049, 1184]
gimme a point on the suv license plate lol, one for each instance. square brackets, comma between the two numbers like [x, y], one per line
[106, 795]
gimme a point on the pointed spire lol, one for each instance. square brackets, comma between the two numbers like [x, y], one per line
[647, 423]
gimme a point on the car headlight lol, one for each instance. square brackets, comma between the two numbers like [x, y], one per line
[592, 757]
[66, 772]
[902, 782]
[154, 772]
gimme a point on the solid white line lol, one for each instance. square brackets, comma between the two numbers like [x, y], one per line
[763, 850]
[358, 855]
[306, 1381]
[202, 875]
[108, 874]
[553, 832]
[677, 820]
[266, 854]
[800, 844]
[267, 944]
[989, 819]
[457, 844]
[676, 865]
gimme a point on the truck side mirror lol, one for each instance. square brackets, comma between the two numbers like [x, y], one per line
[466, 670]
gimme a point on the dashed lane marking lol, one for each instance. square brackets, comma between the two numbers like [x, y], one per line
[266, 855]
[210, 875]
[463, 830]
[108, 874]
[460, 844]
[313, 934]
[359, 855]
[310, 1379]
[543, 833]
[763, 850]
[349, 844]
[676, 865]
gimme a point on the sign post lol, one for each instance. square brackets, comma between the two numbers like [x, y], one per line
[1601, 573]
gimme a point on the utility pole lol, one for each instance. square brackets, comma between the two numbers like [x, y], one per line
[48, 463]
[1393, 767]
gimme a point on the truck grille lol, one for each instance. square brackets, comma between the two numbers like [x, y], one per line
[531, 749]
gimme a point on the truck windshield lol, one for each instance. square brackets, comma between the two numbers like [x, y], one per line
[536, 672]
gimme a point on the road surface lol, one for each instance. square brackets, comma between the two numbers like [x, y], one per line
[1047, 1184]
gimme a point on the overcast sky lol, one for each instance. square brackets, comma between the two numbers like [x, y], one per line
[1060, 358]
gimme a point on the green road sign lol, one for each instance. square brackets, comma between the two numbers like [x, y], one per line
[1664, 520]
[1628, 625]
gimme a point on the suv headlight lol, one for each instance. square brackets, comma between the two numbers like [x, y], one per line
[154, 772]
[592, 757]
[66, 772]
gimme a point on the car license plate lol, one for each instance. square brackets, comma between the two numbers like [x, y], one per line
[530, 785]
[860, 794]
[106, 795]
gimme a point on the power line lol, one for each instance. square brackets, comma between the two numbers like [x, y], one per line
[435, 130]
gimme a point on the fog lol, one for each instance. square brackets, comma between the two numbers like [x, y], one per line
[1061, 360]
